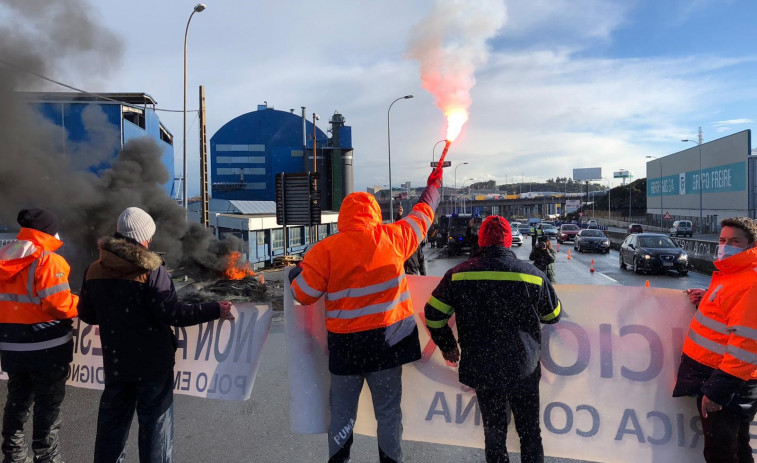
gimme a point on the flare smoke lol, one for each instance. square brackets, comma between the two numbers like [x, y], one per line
[449, 44]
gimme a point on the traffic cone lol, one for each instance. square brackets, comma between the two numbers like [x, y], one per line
[591, 269]
[558, 247]
[569, 254]
[647, 284]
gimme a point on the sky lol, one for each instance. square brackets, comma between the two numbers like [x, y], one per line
[559, 84]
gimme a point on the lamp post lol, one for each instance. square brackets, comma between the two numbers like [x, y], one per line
[197, 9]
[463, 187]
[389, 146]
[609, 197]
[433, 159]
[699, 182]
[661, 192]
[455, 176]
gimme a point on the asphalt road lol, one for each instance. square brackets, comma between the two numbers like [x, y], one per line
[258, 429]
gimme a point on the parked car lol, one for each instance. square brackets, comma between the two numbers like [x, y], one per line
[591, 240]
[652, 252]
[567, 232]
[517, 237]
[635, 228]
[548, 230]
[682, 227]
[592, 224]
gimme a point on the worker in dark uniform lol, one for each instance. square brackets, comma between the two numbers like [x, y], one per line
[499, 303]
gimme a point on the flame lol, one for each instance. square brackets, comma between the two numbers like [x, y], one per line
[456, 118]
[236, 270]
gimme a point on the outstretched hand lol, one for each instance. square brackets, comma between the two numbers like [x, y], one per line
[226, 310]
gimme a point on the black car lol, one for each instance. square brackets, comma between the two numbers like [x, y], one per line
[652, 252]
[591, 240]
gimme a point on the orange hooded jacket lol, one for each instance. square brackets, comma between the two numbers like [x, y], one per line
[34, 281]
[361, 268]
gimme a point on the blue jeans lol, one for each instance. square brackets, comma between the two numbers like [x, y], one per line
[153, 400]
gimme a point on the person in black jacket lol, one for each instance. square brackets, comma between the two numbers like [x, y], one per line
[543, 256]
[499, 303]
[415, 264]
[129, 293]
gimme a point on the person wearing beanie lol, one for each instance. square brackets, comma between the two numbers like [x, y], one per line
[500, 303]
[369, 313]
[130, 295]
[36, 347]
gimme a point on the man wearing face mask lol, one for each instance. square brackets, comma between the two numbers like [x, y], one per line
[719, 360]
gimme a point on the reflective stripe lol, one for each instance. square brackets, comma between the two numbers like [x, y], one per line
[714, 325]
[369, 309]
[741, 354]
[551, 316]
[366, 290]
[421, 216]
[715, 292]
[30, 277]
[441, 306]
[54, 290]
[499, 276]
[305, 288]
[23, 298]
[436, 323]
[706, 344]
[416, 228]
[744, 332]
[30, 346]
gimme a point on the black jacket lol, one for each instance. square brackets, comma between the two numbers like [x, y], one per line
[693, 375]
[129, 293]
[499, 303]
[415, 264]
[544, 260]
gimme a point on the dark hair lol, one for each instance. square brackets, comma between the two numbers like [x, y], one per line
[743, 223]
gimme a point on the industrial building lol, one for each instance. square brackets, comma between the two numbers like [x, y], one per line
[712, 180]
[107, 119]
[249, 151]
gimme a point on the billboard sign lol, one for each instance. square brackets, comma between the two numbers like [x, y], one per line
[621, 174]
[572, 205]
[589, 173]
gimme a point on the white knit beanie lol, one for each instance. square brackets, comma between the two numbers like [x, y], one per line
[136, 224]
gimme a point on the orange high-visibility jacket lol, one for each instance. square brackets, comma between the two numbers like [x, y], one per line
[723, 333]
[361, 268]
[34, 282]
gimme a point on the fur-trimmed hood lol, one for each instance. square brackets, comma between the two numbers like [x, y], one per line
[121, 258]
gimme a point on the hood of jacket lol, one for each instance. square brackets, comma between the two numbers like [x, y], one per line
[359, 211]
[121, 258]
[743, 260]
[18, 255]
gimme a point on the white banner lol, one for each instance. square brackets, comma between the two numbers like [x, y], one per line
[608, 366]
[217, 360]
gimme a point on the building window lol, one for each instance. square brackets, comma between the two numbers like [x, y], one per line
[240, 171]
[296, 153]
[240, 159]
[240, 147]
[295, 236]
[277, 238]
[260, 238]
[323, 232]
[134, 115]
[165, 135]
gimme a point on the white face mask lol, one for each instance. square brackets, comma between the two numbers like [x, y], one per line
[57, 236]
[726, 250]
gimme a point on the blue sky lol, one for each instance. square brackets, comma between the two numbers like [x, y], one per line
[567, 83]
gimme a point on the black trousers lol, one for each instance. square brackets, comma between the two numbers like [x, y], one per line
[726, 432]
[523, 400]
[153, 400]
[45, 390]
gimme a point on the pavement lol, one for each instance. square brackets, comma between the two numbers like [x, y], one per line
[258, 429]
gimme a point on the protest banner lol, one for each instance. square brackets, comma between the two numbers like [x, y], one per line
[608, 367]
[217, 360]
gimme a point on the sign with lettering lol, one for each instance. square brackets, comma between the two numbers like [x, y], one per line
[608, 367]
[217, 360]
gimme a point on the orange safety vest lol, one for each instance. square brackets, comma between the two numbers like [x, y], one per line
[34, 285]
[723, 332]
[361, 268]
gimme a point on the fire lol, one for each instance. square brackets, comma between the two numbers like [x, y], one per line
[236, 270]
[456, 118]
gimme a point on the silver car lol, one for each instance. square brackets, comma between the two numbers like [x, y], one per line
[517, 237]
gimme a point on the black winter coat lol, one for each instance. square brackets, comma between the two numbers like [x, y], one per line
[499, 303]
[129, 293]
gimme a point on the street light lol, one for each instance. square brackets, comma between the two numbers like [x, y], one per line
[609, 197]
[699, 186]
[463, 188]
[389, 146]
[661, 192]
[197, 9]
[461, 164]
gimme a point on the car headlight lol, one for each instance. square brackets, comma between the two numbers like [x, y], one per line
[683, 257]
[647, 256]
[606, 243]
